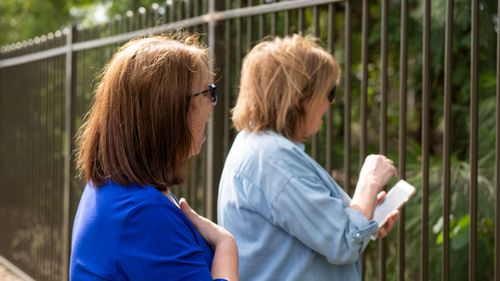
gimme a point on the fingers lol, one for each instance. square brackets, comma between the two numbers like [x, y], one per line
[377, 168]
[388, 225]
[393, 217]
[206, 228]
[184, 205]
[381, 197]
[392, 169]
[382, 233]
[190, 213]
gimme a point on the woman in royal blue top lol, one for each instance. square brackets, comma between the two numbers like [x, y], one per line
[291, 220]
[147, 119]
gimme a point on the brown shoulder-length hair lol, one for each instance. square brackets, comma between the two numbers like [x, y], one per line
[137, 129]
[277, 77]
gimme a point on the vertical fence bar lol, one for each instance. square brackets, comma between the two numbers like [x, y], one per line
[58, 172]
[286, 20]
[347, 96]
[238, 55]
[261, 22]
[383, 122]
[497, 159]
[448, 66]
[68, 148]
[196, 8]
[364, 82]
[300, 20]
[215, 157]
[59, 68]
[44, 214]
[141, 18]
[238, 51]
[273, 24]
[425, 140]
[181, 15]
[314, 139]
[40, 147]
[171, 11]
[34, 155]
[129, 20]
[383, 90]
[43, 146]
[403, 64]
[28, 203]
[206, 168]
[3, 193]
[116, 24]
[152, 17]
[33, 201]
[249, 33]
[227, 81]
[473, 141]
[329, 129]
[51, 145]
[187, 9]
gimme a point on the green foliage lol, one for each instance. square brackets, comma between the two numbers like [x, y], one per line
[23, 20]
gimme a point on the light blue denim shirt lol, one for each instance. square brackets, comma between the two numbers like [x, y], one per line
[291, 220]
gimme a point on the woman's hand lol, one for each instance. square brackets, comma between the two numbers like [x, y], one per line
[384, 229]
[225, 264]
[375, 173]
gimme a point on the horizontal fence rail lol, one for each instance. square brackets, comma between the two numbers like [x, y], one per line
[411, 89]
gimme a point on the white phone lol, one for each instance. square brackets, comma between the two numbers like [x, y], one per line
[397, 196]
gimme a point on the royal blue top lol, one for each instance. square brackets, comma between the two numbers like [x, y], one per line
[291, 220]
[135, 233]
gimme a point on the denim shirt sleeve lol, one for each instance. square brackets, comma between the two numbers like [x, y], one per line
[307, 210]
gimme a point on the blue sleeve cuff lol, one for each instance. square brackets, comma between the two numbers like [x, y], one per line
[363, 229]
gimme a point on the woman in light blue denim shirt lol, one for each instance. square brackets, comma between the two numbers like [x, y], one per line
[291, 220]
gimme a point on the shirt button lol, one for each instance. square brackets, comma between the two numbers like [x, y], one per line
[357, 235]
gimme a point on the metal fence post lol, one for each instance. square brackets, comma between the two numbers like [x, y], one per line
[68, 148]
[215, 152]
[424, 248]
[474, 135]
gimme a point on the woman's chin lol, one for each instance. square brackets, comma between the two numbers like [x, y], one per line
[196, 149]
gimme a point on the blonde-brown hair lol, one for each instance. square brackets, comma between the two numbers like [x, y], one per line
[137, 130]
[276, 78]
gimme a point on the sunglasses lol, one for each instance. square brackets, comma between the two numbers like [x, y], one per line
[209, 93]
[331, 94]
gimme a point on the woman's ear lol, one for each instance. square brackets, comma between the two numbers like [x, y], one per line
[306, 105]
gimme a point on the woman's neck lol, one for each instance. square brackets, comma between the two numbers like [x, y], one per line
[170, 197]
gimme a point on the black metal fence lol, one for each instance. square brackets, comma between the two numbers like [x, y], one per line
[420, 84]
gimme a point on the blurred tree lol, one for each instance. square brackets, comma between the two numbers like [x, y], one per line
[22, 20]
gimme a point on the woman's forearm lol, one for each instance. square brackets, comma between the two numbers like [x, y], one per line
[364, 199]
[225, 263]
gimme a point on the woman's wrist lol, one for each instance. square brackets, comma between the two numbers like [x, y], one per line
[364, 202]
[371, 186]
[225, 264]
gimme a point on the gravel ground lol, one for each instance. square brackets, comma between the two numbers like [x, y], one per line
[7, 275]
